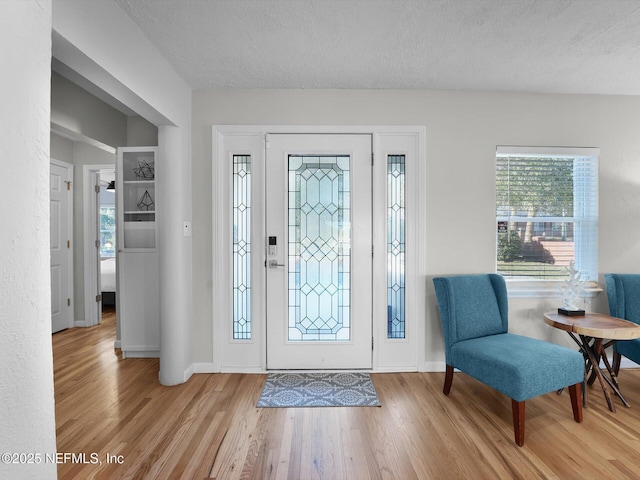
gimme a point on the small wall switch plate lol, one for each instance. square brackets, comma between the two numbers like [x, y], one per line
[187, 229]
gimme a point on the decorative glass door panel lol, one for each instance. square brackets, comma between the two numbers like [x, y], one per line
[242, 247]
[396, 246]
[319, 248]
[318, 221]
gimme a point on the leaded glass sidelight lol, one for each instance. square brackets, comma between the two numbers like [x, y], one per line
[395, 246]
[319, 248]
[241, 247]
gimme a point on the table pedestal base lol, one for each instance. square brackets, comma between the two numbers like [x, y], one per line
[588, 331]
[593, 352]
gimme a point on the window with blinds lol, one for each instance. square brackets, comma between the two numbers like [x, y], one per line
[546, 212]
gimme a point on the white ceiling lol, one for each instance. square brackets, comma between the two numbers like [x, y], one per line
[554, 46]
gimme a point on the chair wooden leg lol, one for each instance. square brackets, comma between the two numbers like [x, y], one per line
[575, 392]
[518, 421]
[448, 379]
[617, 358]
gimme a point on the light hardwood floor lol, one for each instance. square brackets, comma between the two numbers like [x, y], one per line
[210, 427]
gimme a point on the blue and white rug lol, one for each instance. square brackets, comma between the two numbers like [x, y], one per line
[335, 389]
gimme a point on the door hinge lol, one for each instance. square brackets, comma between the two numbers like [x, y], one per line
[372, 250]
[68, 182]
[371, 158]
[68, 243]
[266, 140]
[371, 343]
[97, 188]
[97, 243]
[98, 298]
[68, 302]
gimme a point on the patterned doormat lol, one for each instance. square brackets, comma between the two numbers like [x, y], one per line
[340, 389]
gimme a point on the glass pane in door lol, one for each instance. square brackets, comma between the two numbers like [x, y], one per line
[395, 246]
[241, 247]
[319, 248]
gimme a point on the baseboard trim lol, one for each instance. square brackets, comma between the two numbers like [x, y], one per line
[425, 367]
[204, 368]
[210, 368]
[407, 369]
[626, 363]
[140, 353]
[187, 373]
[242, 369]
[433, 367]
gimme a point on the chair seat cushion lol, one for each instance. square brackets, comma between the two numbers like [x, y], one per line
[520, 367]
[629, 348]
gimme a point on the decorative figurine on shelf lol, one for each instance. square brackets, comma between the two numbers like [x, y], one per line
[570, 292]
[145, 170]
[146, 202]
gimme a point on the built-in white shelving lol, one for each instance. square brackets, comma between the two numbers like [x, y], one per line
[138, 287]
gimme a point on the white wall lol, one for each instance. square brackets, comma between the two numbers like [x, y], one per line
[77, 110]
[141, 133]
[133, 70]
[27, 415]
[463, 129]
[61, 148]
[101, 43]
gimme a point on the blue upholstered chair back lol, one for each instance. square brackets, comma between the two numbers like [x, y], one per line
[471, 306]
[623, 293]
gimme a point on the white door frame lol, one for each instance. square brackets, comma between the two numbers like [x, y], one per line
[92, 309]
[250, 355]
[356, 351]
[69, 169]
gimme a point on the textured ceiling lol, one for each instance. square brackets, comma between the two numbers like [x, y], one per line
[556, 46]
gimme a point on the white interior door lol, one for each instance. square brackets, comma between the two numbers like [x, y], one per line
[319, 251]
[60, 213]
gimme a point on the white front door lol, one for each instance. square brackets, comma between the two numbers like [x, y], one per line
[319, 251]
[61, 274]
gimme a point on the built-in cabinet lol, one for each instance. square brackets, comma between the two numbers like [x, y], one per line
[138, 284]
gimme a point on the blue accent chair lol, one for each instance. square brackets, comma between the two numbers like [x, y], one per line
[474, 316]
[623, 293]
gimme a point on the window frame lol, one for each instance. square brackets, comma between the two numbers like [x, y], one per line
[109, 210]
[523, 288]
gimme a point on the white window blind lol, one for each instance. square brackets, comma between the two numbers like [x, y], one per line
[546, 212]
